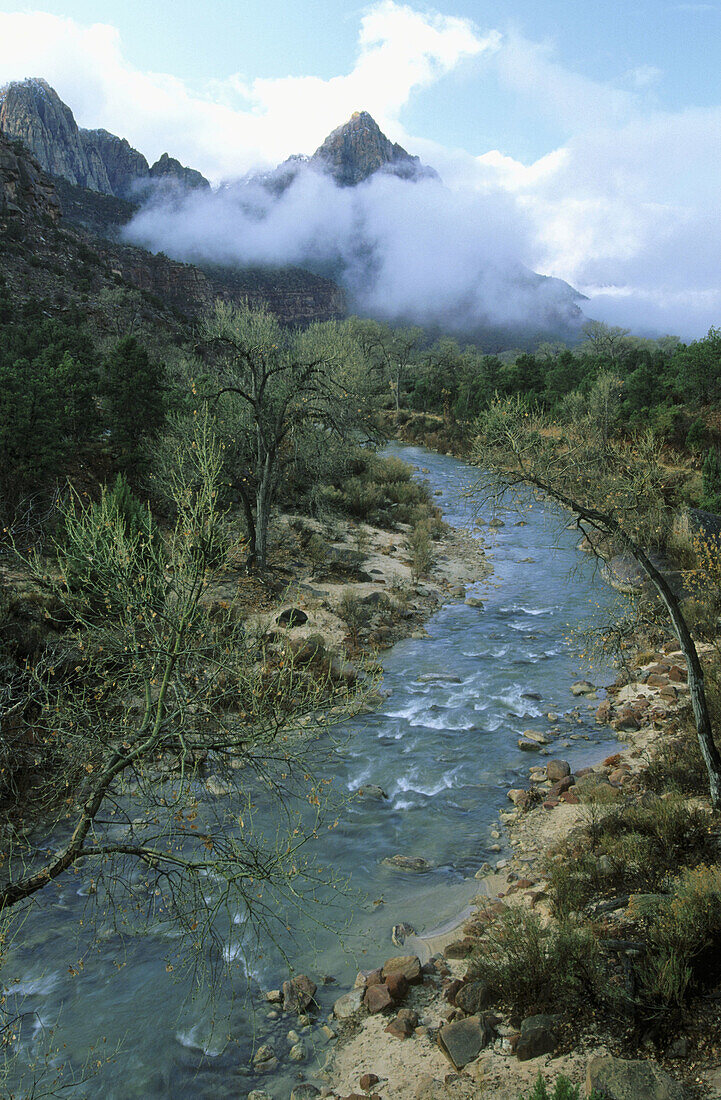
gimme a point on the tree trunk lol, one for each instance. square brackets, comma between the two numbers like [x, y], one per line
[699, 703]
[262, 515]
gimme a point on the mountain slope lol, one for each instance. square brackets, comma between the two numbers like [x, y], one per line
[43, 259]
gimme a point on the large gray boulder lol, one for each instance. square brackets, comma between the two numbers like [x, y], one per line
[618, 1079]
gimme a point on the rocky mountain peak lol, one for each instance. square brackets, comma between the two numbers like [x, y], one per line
[168, 168]
[358, 148]
[32, 112]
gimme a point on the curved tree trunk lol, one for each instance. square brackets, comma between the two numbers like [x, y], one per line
[702, 718]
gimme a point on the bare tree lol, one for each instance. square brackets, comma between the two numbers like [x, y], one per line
[276, 386]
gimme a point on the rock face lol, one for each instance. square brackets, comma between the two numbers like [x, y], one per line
[168, 168]
[32, 112]
[358, 148]
[24, 187]
[124, 166]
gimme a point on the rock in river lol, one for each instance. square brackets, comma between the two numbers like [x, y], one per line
[416, 865]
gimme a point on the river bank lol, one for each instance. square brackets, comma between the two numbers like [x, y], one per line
[422, 773]
[646, 714]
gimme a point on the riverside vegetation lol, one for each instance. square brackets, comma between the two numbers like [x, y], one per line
[138, 481]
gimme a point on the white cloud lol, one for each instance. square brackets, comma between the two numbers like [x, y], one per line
[400, 50]
[625, 208]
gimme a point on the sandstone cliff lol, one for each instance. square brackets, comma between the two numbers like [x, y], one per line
[32, 112]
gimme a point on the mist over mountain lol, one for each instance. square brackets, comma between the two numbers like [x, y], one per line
[360, 210]
[365, 212]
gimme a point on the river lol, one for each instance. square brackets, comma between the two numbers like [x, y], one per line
[445, 752]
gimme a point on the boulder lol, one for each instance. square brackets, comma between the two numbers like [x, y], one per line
[463, 1040]
[472, 997]
[372, 792]
[400, 931]
[404, 1024]
[397, 984]
[438, 677]
[582, 687]
[292, 616]
[535, 1041]
[305, 1091]
[377, 998]
[557, 769]
[473, 601]
[368, 1080]
[298, 1052]
[459, 949]
[618, 1079]
[412, 864]
[298, 993]
[349, 1005]
[407, 965]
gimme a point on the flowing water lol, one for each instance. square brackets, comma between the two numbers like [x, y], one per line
[445, 752]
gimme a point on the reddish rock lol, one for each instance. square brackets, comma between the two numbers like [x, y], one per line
[550, 804]
[377, 999]
[397, 984]
[298, 993]
[669, 693]
[408, 965]
[677, 674]
[571, 798]
[619, 774]
[374, 977]
[404, 1024]
[626, 720]
[604, 711]
[656, 679]
[613, 761]
[562, 785]
[451, 989]
[368, 1080]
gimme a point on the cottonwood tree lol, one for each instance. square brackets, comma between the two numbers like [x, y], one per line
[154, 721]
[275, 387]
[621, 491]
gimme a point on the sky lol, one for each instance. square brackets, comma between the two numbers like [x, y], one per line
[592, 130]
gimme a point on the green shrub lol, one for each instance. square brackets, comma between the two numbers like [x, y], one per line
[678, 767]
[353, 612]
[683, 933]
[627, 849]
[562, 1090]
[421, 549]
[531, 967]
